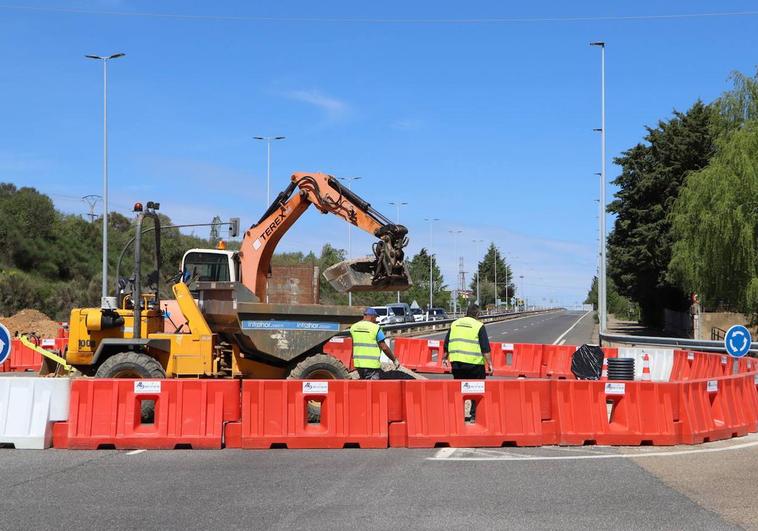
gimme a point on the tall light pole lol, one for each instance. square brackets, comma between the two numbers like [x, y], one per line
[268, 140]
[455, 234]
[397, 205]
[349, 181]
[104, 302]
[601, 285]
[478, 271]
[431, 260]
[523, 295]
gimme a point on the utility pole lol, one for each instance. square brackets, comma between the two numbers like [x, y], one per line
[478, 272]
[602, 295]
[268, 140]
[455, 234]
[105, 303]
[91, 201]
[398, 204]
[431, 260]
[349, 181]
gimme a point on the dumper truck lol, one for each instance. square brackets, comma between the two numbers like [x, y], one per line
[226, 328]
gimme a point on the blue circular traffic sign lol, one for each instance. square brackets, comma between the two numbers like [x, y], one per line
[5, 344]
[737, 341]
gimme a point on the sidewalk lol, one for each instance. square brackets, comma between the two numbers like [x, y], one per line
[626, 328]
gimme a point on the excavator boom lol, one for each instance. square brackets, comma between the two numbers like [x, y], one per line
[384, 271]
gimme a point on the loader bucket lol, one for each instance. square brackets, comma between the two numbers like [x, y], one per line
[358, 275]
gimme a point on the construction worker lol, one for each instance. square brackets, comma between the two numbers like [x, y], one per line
[368, 345]
[468, 347]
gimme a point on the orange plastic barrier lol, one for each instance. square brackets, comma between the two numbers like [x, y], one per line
[616, 413]
[23, 358]
[188, 413]
[422, 355]
[556, 361]
[520, 360]
[508, 413]
[352, 414]
[342, 349]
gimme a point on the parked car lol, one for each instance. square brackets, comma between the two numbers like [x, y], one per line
[402, 312]
[383, 315]
[436, 314]
[418, 314]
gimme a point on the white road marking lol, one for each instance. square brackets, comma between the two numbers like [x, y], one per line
[444, 452]
[564, 334]
[135, 452]
[562, 341]
[509, 456]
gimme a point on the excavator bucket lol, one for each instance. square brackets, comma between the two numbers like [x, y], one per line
[360, 275]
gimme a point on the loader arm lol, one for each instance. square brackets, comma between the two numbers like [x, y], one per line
[387, 271]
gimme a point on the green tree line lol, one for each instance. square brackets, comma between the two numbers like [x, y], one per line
[686, 209]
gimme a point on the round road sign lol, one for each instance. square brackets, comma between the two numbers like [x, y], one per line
[5, 344]
[737, 341]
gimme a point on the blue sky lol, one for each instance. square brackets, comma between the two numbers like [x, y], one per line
[485, 125]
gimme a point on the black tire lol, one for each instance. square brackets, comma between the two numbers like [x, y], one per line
[133, 365]
[318, 367]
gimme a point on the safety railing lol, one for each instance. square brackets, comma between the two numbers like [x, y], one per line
[694, 344]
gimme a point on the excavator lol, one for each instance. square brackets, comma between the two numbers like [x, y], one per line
[228, 328]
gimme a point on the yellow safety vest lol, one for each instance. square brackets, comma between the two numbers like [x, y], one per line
[366, 351]
[463, 344]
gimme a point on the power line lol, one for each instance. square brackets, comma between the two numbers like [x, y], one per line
[367, 20]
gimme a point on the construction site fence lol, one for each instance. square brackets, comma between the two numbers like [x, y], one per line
[705, 398]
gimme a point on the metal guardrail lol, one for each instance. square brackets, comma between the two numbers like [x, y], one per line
[694, 344]
[444, 324]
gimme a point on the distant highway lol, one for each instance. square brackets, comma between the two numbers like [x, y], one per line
[569, 327]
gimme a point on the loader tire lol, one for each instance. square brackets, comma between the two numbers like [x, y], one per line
[133, 365]
[318, 367]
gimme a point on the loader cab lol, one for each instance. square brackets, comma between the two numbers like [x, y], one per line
[210, 265]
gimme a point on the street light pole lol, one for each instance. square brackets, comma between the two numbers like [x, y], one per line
[105, 303]
[349, 181]
[523, 295]
[268, 140]
[455, 234]
[431, 260]
[398, 204]
[602, 291]
[478, 272]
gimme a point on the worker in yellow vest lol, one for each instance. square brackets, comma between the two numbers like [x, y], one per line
[368, 345]
[468, 348]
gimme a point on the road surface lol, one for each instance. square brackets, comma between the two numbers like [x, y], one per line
[502, 488]
[569, 327]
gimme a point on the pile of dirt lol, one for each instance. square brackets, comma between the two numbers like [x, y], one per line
[31, 321]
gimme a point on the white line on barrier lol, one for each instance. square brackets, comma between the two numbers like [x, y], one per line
[449, 455]
[564, 334]
[135, 452]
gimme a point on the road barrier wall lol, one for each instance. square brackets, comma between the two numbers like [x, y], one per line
[661, 361]
[111, 413]
[28, 409]
[349, 414]
[707, 400]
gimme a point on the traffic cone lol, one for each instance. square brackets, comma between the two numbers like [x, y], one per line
[645, 367]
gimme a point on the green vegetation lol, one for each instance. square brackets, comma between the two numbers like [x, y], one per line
[687, 214]
[51, 261]
[487, 285]
[618, 305]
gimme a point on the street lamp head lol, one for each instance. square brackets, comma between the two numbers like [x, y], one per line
[598, 43]
[258, 138]
[279, 137]
[94, 57]
[116, 55]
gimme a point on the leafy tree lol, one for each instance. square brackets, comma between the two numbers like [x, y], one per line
[487, 269]
[418, 267]
[716, 223]
[639, 248]
[618, 305]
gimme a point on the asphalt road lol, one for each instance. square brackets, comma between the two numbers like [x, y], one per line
[508, 488]
[545, 328]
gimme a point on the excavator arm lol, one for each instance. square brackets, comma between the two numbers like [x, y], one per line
[386, 271]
